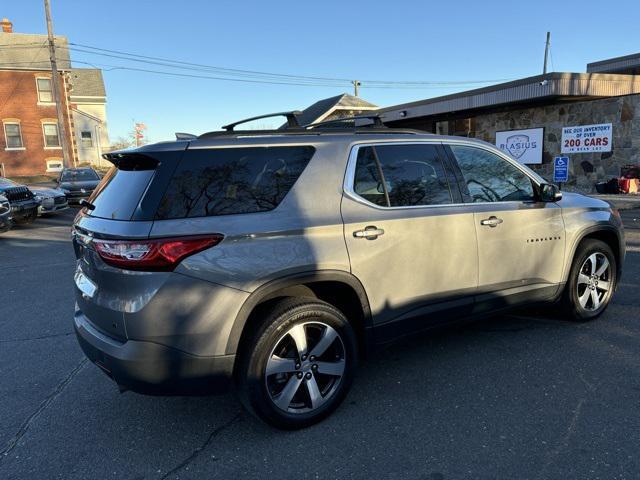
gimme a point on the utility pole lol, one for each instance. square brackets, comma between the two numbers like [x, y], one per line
[57, 91]
[356, 86]
[546, 53]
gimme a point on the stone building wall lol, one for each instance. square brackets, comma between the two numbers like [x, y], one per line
[585, 168]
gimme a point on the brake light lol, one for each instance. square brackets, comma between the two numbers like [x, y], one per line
[162, 254]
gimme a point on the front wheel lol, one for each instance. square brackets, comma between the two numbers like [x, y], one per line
[30, 218]
[592, 281]
[299, 364]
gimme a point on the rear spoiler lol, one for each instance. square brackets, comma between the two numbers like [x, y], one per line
[131, 160]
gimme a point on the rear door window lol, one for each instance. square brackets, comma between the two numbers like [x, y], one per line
[227, 181]
[401, 176]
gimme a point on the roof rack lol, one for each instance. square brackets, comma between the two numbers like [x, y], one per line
[312, 132]
[374, 117]
[292, 120]
[330, 127]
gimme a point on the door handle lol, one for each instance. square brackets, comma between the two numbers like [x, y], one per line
[370, 233]
[492, 221]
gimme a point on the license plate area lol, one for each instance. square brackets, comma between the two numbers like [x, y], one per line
[86, 286]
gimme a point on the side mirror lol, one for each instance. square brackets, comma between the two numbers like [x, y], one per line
[550, 193]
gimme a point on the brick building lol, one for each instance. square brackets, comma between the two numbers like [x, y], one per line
[30, 142]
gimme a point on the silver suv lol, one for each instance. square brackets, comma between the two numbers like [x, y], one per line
[274, 261]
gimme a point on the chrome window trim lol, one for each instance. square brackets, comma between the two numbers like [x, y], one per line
[350, 173]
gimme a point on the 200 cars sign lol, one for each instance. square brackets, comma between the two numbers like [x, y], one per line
[587, 138]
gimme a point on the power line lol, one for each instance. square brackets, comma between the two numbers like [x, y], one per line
[178, 74]
[244, 75]
[243, 80]
[260, 74]
[235, 70]
[211, 69]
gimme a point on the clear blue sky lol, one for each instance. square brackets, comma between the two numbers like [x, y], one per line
[401, 40]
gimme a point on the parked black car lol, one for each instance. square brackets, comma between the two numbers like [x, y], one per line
[5, 214]
[78, 183]
[24, 205]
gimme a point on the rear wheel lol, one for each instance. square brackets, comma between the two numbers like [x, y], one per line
[592, 281]
[299, 365]
[30, 218]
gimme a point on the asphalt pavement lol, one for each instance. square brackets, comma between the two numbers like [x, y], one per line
[527, 396]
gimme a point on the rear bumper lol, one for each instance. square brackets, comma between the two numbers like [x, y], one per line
[151, 368]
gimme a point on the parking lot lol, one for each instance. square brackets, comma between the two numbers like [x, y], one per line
[520, 396]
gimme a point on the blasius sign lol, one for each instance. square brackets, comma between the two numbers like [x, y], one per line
[523, 145]
[587, 138]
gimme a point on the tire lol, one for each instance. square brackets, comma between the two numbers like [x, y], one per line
[300, 390]
[27, 219]
[579, 300]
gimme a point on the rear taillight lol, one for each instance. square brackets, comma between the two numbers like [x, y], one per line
[162, 254]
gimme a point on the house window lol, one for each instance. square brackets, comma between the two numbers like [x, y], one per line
[45, 94]
[51, 137]
[13, 135]
[87, 140]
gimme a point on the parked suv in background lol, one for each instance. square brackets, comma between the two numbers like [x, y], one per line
[78, 183]
[273, 261]
[24, 205]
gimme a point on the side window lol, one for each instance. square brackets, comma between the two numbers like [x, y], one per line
[491, 178]
[413, 175]
[367, 183]
[227, 181]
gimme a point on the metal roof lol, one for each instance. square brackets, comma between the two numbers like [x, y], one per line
[617, 64]
[322, 108]
[26, 51]
[537, 88]
[87, 82]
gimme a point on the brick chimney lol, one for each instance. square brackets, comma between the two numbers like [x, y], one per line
[7, 26]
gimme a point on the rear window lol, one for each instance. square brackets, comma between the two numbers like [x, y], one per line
[121, 194]
[118, 195]
[227, 181]
[78, 176]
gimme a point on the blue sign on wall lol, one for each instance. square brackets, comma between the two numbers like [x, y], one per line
[561, 169]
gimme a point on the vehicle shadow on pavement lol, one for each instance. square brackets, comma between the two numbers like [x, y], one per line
[490, 386]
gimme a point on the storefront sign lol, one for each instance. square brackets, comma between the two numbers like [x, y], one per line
[587, 138]
[523, 145]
